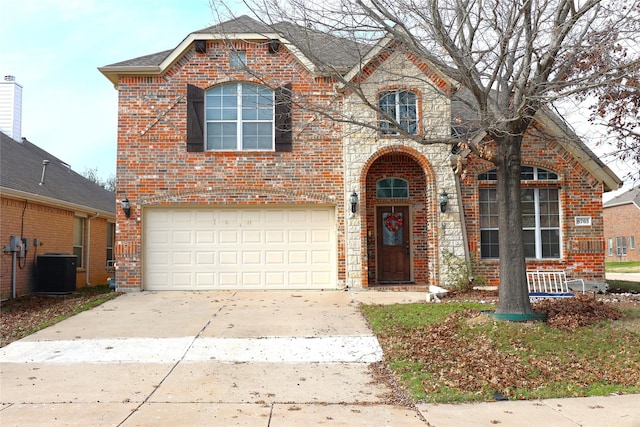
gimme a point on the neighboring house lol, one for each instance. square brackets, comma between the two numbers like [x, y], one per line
[54, 210]
[622, 226]
[232, 185]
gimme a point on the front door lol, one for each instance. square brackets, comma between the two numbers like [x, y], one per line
[393, 244]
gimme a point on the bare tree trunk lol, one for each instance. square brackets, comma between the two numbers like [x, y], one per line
[513, 291]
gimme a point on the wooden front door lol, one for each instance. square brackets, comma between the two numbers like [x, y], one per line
[394, 251]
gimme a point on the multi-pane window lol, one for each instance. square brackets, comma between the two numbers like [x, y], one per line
[402, 107]
[111, 237]
[392, 188]
[540, 216]
[239, 117]
[78, 240]
[621, 246]
[632, 242]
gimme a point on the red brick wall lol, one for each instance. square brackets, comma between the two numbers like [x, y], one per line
[622, 220]
[153, 166]
[54, 228]
[582, 248]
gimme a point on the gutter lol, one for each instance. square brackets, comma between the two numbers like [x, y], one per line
[54, 202]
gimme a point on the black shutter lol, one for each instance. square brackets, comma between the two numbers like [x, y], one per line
[195, 119]
[284, 135]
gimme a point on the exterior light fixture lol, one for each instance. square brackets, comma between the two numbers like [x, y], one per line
[354, 201]
[444, 200]
[126, 207]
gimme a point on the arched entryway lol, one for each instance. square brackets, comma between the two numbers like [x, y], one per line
[400, 245]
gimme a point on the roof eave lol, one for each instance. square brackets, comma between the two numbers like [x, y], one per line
[23, 195]
[113, 73]
[586, 157]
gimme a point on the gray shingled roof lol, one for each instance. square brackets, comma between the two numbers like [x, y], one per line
[21, 170]
[321, 48]
[631, 196]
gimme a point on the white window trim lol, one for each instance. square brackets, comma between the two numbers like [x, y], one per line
[239, 122]
[396, 111]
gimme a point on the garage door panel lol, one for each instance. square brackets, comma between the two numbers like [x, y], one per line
[239, 248]
[205, 258]
[205, 236]
[228, 236]
[251, 236]
[205, 280]
[182, 258]
[229, 258]
[298, 236]
[252, 257]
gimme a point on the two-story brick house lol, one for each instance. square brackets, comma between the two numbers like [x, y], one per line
[240, 176]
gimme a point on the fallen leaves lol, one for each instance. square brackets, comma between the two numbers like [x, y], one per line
[472, 354]
[21, 316]
[571, 313]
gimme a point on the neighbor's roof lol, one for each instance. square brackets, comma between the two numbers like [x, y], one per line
[628, 197]
[314, 49]
[21, 172]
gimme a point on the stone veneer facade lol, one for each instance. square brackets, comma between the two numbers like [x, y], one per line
[432, 232]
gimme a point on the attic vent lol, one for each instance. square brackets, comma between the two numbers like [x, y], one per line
[274, 45]
[201, 46]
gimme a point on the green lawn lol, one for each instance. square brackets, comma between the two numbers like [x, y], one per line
[451, 352]
[623, 267]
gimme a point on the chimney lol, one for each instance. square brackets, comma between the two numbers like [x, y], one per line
[11, 108]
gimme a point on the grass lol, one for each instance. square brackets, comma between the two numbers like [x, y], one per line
[28, 314]
[450, 353]
[622, 267]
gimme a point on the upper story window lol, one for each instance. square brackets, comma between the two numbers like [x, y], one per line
[238, 59]
[402, 106]
[239, 116]
[392, 188]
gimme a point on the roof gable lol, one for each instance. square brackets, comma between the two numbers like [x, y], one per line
[315, 50]
[21, 166]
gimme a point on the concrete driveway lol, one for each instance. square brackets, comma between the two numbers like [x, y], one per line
[201, 358]
[239, 359]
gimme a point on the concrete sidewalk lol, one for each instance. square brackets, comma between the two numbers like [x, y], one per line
[246, 358]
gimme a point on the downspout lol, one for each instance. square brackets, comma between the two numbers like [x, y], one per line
[86, 270]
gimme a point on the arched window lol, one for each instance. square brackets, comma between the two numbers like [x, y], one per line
[540, 214]
[401, 106]
[239, 116]
[392, 188]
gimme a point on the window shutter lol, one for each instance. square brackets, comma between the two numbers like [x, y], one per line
[195, 119]
[284, 135]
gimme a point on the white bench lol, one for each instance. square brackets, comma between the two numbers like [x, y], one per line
[550, 284]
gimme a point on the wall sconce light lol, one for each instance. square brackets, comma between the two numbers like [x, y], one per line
[126, 207]
[444, 200]
[354, 201]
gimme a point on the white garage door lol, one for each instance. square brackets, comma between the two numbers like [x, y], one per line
[239, 248]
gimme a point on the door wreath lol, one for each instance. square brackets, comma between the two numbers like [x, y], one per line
[393, 222]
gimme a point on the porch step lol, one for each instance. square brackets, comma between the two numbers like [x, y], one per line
[411, 287]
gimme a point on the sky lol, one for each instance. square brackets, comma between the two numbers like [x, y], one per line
[54, 49]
